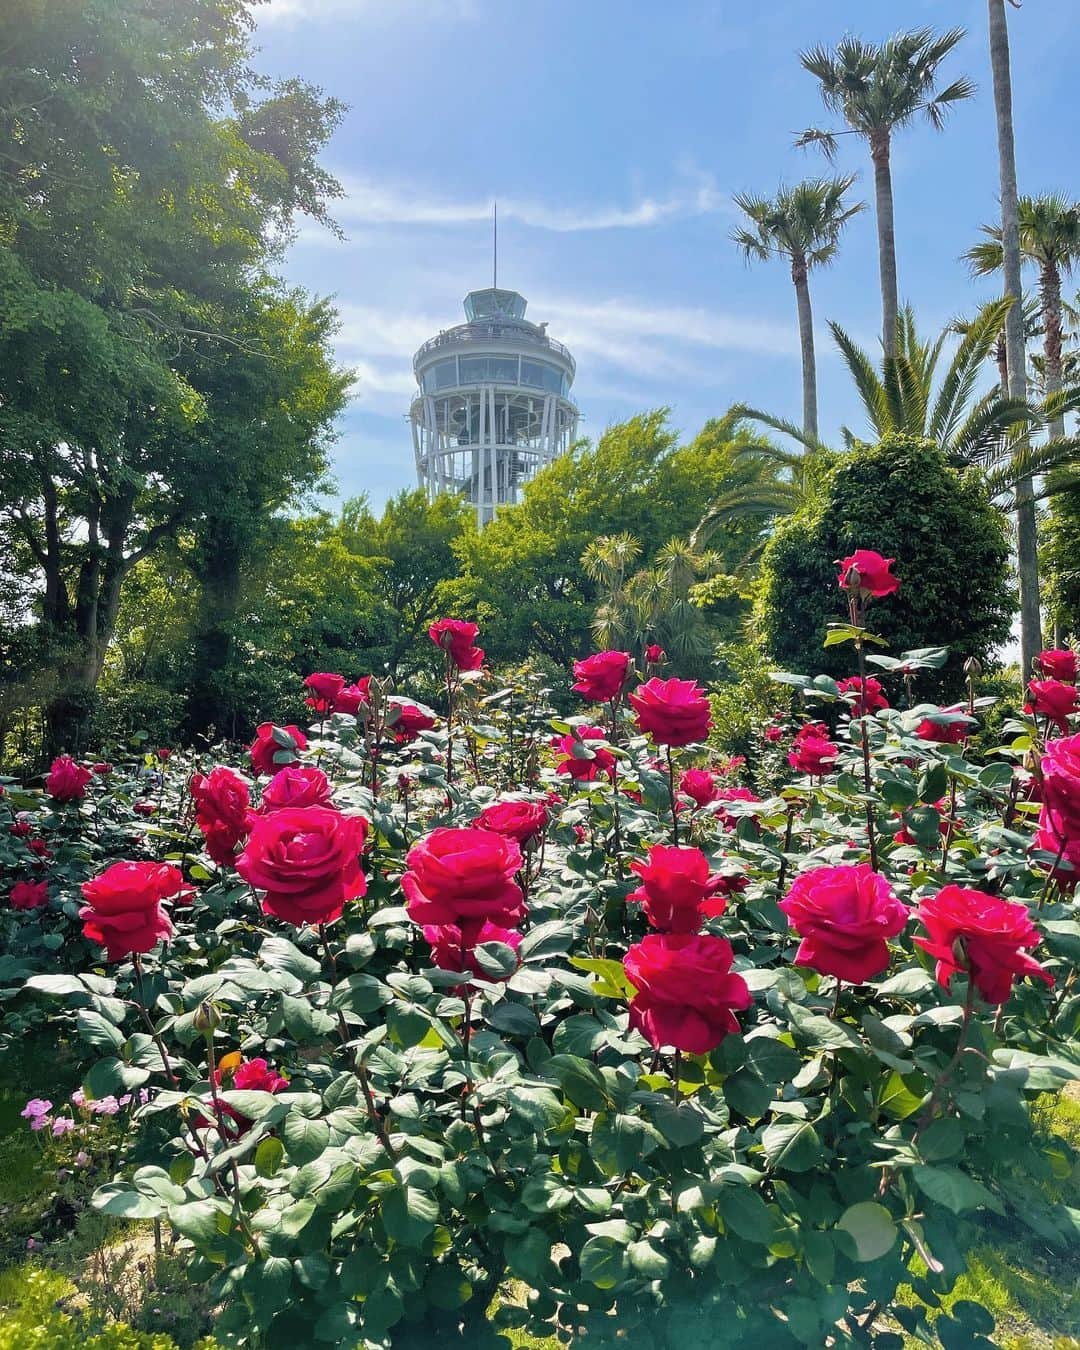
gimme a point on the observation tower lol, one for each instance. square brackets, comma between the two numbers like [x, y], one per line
[492, 404]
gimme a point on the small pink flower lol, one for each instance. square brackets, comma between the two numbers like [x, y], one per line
[61, 1125]
[35, 1107]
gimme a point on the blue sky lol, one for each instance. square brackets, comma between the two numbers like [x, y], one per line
[613, 136]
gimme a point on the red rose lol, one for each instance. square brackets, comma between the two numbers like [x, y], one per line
[674, 712]
[686, 992]
[575, 764]
[252, 1075]
[1055, 700]
[306, 859]
[957, 728]
[67, 780]
[39, 848]
[1060, 778]
[811, 750]
[867, 573]
[354, 697]
[324, 690]
[1065, 850]
[29, 894]
[1058, 664]
[732, 794]
[861, 703]
[844, 916]
[600, 678]
[453, 945]
[655, 654]
[457, 637]
[123, 906]
[407, 721]
[270, 742]
[678, 890]
[521, 820]
[221, 807]
[699, 785]
[101, 769]
[980, 934]
[164, 754]
[458, 875]
[774, 733]
[143, 808]
[20, 828]
[296, 785]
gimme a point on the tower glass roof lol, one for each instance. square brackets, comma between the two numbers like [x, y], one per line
[494, 304]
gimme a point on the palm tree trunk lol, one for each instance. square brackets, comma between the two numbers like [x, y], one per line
[806, 346]
[879, 153]
[1050, 291]
[1027, 543]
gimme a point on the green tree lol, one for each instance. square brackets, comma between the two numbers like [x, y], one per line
[271, 391]
[522, 576]
[877, 90]
[146, 175]
[1049, 230]
[903, 499]
[802, 224]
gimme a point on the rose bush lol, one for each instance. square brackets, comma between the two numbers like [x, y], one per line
[412, 1036]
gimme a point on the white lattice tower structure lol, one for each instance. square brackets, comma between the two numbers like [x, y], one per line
[492, 403]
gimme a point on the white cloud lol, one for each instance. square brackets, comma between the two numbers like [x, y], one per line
[369, 203]
[292, 12]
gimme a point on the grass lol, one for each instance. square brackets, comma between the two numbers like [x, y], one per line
[85, 1276]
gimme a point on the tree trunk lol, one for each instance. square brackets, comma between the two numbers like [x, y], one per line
[1050, 293]
[890, 305]
[209, 706]
[1026, 536]
[806, 346]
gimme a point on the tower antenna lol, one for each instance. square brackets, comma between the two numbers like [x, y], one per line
[495, 246]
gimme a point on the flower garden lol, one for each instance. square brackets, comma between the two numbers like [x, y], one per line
[409, 1027]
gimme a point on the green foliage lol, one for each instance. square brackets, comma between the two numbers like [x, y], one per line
[900, 498]
[522, 576]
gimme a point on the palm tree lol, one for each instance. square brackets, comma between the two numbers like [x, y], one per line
[877, 90]
[1027, 539]
[991, 431]
[1049, 232]
[803, 224]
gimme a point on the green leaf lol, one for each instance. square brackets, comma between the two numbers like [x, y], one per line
[871, 1227]
[901, 1096]
[118, 1199]
[611, 980]
[280, 954]
[648, 1260]
[529, 1255]
[619, 1141]
[820, 1031]
[112, 1078]
[546, 940]
[792, 1146]
[446, 1287]
[954, 1189]
[994, 777]
[942, 1138]
[513, 1019]
[773, 1059]
[497, 960]
[269, 1156]
[745, 1213]
[580, 1080]
[603, 1262]
[359, 994]
[303, 1022]
[933, 784]
[409, 1215]
[305, 1139]
[57, 985]
[99, 1031]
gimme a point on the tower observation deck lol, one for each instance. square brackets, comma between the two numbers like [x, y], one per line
[492, 404]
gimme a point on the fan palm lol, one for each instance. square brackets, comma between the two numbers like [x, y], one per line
[876, 90]
[803, 225]
[907, 395]
[1049, 231]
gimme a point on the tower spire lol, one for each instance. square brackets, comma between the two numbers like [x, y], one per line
[495, 246]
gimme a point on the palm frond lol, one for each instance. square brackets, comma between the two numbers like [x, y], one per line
[870, 387]
[965, 368]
